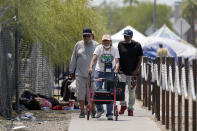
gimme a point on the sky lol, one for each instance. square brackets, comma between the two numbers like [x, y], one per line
[167, 2]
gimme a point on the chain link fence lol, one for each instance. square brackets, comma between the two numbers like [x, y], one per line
[36, 73]
[6, 72]
[35, 70]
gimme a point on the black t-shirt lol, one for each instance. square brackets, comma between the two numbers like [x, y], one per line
[129, 56]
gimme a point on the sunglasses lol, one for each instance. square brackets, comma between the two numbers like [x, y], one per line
[86, 35]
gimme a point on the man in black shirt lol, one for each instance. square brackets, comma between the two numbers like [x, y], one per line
[130, 61]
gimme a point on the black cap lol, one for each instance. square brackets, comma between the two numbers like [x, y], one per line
[128, 32]
[87, 30]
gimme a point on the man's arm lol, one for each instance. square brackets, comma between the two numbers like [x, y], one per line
[116, 65]
[138, 66]
[73, 63]
[92, 63]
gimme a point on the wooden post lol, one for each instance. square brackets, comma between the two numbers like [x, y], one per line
[158, 94]
[163, 100]
[145, 103]
[194, 117]
[187, 99]
[167, 95]
[138, 90]
[180, 98]
[172, 61]
[149, 87]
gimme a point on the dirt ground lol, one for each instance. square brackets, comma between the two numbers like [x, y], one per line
[44, 121]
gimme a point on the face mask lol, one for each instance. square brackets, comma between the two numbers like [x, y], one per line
[107, 47]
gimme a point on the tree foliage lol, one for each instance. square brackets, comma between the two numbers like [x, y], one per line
[57, 24]
[189, 9]
[130, 1]
[140, 16]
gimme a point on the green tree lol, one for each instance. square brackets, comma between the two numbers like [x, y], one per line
[57, 24]
[139, 16]
[131, 2]
[189, 9]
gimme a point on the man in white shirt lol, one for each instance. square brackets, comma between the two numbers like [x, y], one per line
[107, 62]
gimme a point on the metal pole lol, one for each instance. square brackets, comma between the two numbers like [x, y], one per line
[16, 58]
[155, 16]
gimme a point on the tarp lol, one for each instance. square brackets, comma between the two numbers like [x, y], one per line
[137, 36]
[181, 49]
[150, 50]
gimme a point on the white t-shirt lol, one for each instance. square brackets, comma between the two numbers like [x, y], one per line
[99, 51]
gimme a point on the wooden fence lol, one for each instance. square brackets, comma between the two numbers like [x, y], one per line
[168, 88]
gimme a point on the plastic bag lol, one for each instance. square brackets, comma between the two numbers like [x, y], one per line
[72, 87]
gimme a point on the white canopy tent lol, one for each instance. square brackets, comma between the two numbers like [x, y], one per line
[137, 36]
[163, 35]
[165, 32]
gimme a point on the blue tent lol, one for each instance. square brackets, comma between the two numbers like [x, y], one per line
[150, 50]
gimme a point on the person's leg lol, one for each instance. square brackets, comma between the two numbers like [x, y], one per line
[109, 114]
[81, 105]
[110, 109]
[81, 93]
[123, 103]
[131, 99]
[99, 85]
[123, 77]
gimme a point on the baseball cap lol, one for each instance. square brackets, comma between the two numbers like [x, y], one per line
[87, 31]
[106, 37]
[128, 32]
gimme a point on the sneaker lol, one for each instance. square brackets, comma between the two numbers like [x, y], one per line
[109, 117]
[81, 115]
[93, 114]
[130, 112]
[122, 109]
[99, 114]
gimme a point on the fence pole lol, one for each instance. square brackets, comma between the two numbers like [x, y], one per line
[138, 90]
[194, 101]
[149, 87]
[180, 98]
[172, 61]
[158, 93]
[154, 97]
[163, 99]
[186, 99]
[145, 87]
[167, 95]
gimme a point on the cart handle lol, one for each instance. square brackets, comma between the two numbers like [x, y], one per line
[90, 74]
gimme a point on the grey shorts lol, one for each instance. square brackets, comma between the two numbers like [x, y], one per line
[82, 84]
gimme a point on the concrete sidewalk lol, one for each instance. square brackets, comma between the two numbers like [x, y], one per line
[141, 121]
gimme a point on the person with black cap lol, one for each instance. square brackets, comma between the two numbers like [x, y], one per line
[130, 60]
[79, 65]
